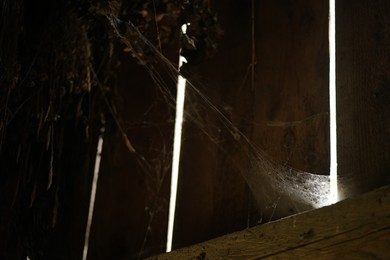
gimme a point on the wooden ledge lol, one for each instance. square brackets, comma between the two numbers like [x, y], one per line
[356, 228]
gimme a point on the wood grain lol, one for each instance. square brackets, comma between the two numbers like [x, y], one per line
[363, 94]
[291, 120]
[284, 112]
[357, 228]
[291, 100]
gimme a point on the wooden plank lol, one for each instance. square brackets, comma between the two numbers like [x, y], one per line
[356, 228]
[363, 94]
[210, 184]
[291, 100]
[131, 210]
[284, 111]
[291, 96]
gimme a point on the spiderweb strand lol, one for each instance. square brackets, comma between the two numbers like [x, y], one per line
[271, 183]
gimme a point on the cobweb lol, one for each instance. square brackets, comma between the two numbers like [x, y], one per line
[270, 182]
[278, 189]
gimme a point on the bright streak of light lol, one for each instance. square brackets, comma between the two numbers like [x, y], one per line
[180, 96]
[93, 194]
[332, 103]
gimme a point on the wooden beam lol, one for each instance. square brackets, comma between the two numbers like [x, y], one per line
[356, 228]
[363, 94]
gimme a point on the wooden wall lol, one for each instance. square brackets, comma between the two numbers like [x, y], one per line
[213, 198]
[363, 94]
[131, 211]
[284, 112]
[291, 107]
[291, 96]
[282, 109]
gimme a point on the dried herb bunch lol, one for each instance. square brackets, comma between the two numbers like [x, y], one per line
[49, 108]
[160, 21]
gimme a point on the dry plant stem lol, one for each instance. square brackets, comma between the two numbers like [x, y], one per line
[157, 30]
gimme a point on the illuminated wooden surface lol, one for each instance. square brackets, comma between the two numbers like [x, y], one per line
[356, 228]
[363, 94]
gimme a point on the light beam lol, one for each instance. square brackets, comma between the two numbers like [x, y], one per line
[93, 193]
[180, 96]
[332, 103]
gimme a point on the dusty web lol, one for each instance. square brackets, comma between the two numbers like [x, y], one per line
[279, 190]
[305, 190]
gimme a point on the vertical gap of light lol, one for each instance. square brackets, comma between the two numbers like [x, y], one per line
[180, 96]
[93, 193]
[332, 103]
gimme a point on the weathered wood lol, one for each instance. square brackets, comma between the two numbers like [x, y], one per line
[291, 96]
[131, 210]
[356, 228]
[284, 111]
[210, 184]
[291, 100]
[363, 94]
